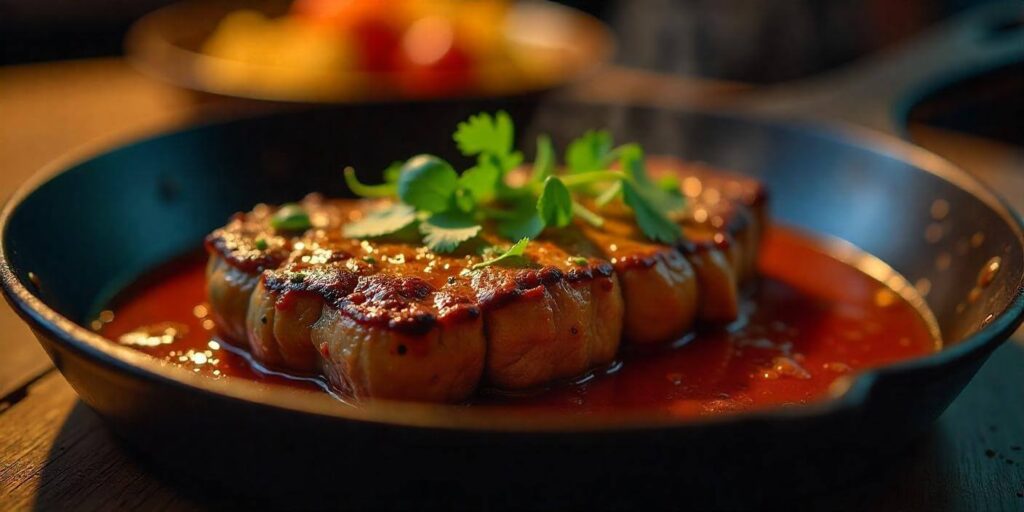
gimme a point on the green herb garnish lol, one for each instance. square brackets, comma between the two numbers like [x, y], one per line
[393, 171]
[555, 203]
[648, 201]
[516, 251]
[491, 136]
[261, 244]
[384, 221]
[427, 183]
[443, 232]
[544, 161]
[383, 190]
[481, 182]
[290, 217]
[521, 220]
[591, 152]
[450, 208]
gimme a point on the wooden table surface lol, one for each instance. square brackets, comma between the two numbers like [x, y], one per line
[56, 454]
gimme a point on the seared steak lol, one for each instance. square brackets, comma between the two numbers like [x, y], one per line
[393, 320]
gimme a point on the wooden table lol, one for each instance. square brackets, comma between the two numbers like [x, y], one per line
[56, 454]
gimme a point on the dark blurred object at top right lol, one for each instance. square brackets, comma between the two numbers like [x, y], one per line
[765, 41]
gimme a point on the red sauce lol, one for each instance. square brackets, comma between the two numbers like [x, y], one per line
[812, 320]
[175, 297]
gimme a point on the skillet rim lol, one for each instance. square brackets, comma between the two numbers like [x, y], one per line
[44, 321]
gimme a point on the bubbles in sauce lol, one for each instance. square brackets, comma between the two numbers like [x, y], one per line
[811, 323]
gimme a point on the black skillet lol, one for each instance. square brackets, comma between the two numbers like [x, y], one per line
[74, 237]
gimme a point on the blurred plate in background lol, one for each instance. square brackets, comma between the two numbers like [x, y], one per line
[367, 50]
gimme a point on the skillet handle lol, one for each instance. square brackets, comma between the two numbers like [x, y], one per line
[879, 92]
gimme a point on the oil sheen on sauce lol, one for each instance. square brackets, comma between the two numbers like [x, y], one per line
[811, 321]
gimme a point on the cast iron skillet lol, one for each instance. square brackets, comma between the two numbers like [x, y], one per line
[71, 240]
[74, 237]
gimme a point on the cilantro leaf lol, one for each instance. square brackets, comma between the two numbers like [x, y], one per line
[485, 134]
[528, 225]
[650, 204]
[481, 181]
[516, 251]
[670, 185]
[502, 190]
[443, 232]
[555, 203]
[428, 183]
[510, 161]
[384, 221]
[463, 200]
[631, 157]
[544, 161]
[503, 163]
[591, 152]
[523, 221]
[649, 217]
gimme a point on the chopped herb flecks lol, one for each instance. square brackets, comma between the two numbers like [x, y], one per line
[290, 217]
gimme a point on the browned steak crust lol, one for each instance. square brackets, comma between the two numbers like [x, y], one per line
[390, 319]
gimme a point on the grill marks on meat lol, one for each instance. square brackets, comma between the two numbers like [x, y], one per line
[552, 322]
[233, 273]
[393, 320]
[659, 287]
[725, 216]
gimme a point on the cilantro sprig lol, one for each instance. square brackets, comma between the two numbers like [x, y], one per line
[516, 251]
[449, 207]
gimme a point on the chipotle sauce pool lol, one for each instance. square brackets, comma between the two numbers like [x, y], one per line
[811, 320]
